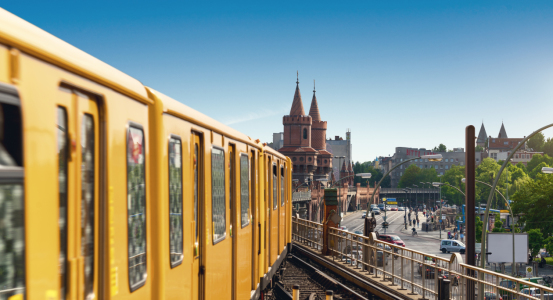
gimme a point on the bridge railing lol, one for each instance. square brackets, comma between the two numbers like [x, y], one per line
[413, 270]
[307, 233]
[301, 196]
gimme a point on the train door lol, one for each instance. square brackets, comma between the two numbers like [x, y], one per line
[282, 211]
[233, 206]
[268, 205]
[256, 225]
[274, 213]
[79, 173]
[198, 265]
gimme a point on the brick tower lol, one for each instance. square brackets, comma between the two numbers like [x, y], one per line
[318, 140]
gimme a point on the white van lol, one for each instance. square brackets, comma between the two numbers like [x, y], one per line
[447, 246]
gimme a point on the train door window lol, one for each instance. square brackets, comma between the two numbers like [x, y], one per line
[281, 186]
[136, 204]
[196, 190]
[88, 176]
[218, 194]
[244, 190]
[12, 230]
[62, 187]
[175, 201]
[275, 187]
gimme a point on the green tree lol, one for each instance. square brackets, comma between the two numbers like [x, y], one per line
[548, 242]
[497, 224]
[454, 177]
[478, 227]
[532, 202]
[535, 241]
[478, 149]
[536, 160]
[537, 170]
[411, 176]
[522, 167]
[440, 148]
[548, 147]
[486, 172]
[536, 142]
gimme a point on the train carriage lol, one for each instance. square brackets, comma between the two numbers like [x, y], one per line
[112, 190]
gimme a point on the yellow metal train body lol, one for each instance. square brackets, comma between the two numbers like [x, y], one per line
[112, 190]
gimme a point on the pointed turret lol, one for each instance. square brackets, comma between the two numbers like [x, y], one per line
[350, 167]
[297, 105]
[314, 109]
[482, 135]
[344, 169]
[502, 132]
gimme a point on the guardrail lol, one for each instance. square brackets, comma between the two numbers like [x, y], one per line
[414, 270]
[301, 196]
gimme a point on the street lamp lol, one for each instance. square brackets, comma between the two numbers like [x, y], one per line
[432, 157]
[439, 184]
[513, 269]
[490, 197]
[366, 176]
[416, 197]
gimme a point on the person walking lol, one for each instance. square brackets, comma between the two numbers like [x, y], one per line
[417, 223]
[414, 222]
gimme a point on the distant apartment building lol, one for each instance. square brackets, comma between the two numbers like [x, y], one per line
[340, 147]
[278, 141]
[521, 156]
[449, 160]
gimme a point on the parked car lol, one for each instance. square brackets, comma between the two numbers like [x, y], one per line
[392, 239]
[376, 211]
[447, 246]
[364, 215]
[401, 208]
[381, 206]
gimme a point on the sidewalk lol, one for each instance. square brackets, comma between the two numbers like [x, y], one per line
[430, 234]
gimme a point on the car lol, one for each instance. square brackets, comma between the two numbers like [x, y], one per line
[392, 239]
[374, 205]
[430, 271]
[364, 215]
[376, 211]
[393, 207]
[381, 206]
[492, 296]
[401, 208]
[447, 246]
[388, 208]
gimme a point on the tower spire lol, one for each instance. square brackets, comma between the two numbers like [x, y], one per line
[297, 105]
[297, 77]
[314, 109]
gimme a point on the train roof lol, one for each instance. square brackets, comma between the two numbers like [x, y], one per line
[32, 40]
[273, 152]
[178, 109]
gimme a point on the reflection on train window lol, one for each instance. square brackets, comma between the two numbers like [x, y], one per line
[244, 190]
[136, 203]
[281, 186]
[87, 203]
[62, 187]
[175, 201]
[275, 188]
[196, 188]
[218, 194]
[12, 266]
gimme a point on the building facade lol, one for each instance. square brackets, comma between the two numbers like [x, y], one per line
[449, 160]
[340, 147]
[304, 141]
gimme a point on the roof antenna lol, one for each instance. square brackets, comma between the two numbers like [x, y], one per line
[297, 77]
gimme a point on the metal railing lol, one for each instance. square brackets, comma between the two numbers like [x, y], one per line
[301, 196]
[413, 270]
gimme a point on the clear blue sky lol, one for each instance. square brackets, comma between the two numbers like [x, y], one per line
[397, 73]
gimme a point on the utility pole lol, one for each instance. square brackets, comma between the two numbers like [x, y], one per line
[470, 184]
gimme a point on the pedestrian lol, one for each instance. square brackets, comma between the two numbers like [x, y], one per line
[462, 237]
[417, 223]
[414, 222]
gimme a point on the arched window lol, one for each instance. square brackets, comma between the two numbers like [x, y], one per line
[305, 134]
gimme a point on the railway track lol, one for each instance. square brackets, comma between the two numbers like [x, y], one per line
[313, 283]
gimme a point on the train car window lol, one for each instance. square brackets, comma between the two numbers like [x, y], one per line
[12, 225]
[281, 186]
[196, 189]
[62, 187]
[175, 201]
[244, 190]
[87, 202]
[218, 194]
[136, 203]
[275, 188]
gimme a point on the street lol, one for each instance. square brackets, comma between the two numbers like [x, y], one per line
[424, 242]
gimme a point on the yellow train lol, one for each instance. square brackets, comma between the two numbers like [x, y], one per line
[112, 190]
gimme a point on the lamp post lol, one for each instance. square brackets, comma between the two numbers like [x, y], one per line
[513, 269]
[340, 179]
[490, 197]
[416, 197]
[366, 176]
[433, 157]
